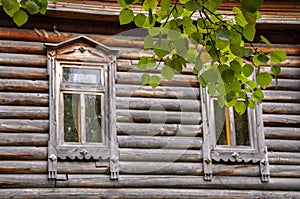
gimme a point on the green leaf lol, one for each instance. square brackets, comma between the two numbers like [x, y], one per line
[148, 42]
[277, 56]
[122, 3]
[247, 70]
[223, 34]
[236, 67]
[177, 12]
[32, 7]
[264, 79]
[249, 32]
[228, 75]
[165, 5]
[263, 58]
[126, 16]
[149, 4]
[265, 40]
[161, 48]
[154, 81]
[239, 17]
[190, 5]
[212, 5]
[20, 17]
[139, 20]
[146, 62]
[145, 78]
[258, 95]
[251, 5]
[167, 72]
[246, 52]
[250, 17]
[197, 37]
[188, 26]
[10, 6]
[235, 49]
[44, 5]
[276, 70]
[240, 107]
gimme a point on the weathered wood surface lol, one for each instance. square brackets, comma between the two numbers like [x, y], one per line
[17, 125]
[178, 79]
[158, 92]
[283, 145]
[25, 47]
[160, 155]
[15, 85]
[160, 142]
[281, 120]
[285, 158]
[24, 112]
[285, 84]
[281, 108]
[25, 180]
[142, 116]
[282, 133]
[81, 167]
[23, 139]
[23, 60]
[24, 167]
[146, 193]
[159, 181]
[22, 73]
[159, 129]
[158, 104]
[286, 72]
[281, 96]
[23, 153]
[24, 99]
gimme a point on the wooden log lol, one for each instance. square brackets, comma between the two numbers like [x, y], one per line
[286, 72]
[165, 117]
[161, 168]
[160, 142]
[285, 171]
[23, 60]
[23, 153]
[160, 155]
[285, 84]
[16, 85]
[178, 80]
[23, 167]
[281, 96]
[24, 99]
[158, 104]
[25, 47]
[281, 120]
[160, 181]
[159, 129]
[31, 126]
[281, 108]
[285, 158]
[23, 139]
[158, 92]
[283, 145]
[282, 133]
[23, 73]
[25, 180]
[24, 112]
[146, 193]
[73, 167]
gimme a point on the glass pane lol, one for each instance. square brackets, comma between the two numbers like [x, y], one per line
[220, 124]
[93, 118]
[71, 108]
[81, 75]
[241, 129]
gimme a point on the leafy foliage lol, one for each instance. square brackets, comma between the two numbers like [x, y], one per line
[193, 31]
[19, 10]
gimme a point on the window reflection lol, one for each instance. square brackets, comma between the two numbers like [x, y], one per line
[81, 75]
[71, 108]
[93, 118]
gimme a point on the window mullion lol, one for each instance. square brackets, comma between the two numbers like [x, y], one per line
[232, 127]
[82, 118]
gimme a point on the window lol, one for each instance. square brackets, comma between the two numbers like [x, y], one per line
[232, 138]
[82, 104]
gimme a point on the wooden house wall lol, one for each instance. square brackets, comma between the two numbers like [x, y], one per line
[159, 132]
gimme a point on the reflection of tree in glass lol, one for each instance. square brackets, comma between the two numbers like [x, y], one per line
[71, 104]
[241, 129]
[66, 74]
[93, 118]
[220, 124]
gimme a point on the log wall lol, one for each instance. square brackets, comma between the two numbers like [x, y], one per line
[159, 132]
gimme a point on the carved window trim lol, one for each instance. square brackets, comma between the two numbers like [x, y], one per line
[82, 52]
[256, 153]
